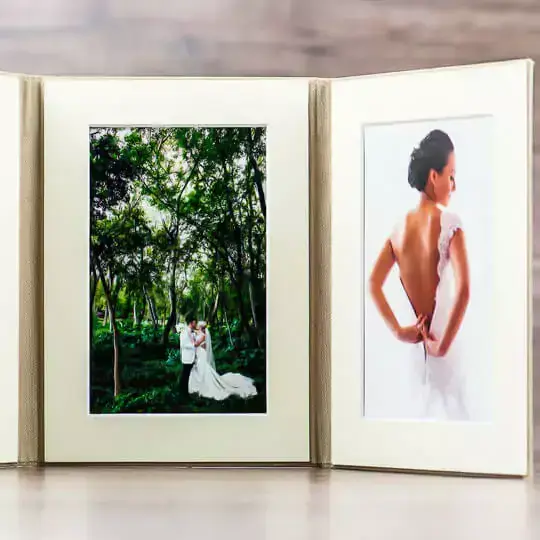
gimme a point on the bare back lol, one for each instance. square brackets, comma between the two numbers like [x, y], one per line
[416, 249]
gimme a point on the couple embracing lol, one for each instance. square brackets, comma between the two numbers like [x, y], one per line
[199, 375]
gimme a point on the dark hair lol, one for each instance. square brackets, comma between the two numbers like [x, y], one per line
[190, 317]
[431, 153]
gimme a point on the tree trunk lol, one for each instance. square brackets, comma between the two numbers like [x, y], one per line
[93, 289]
[152, 309]
[228, 329]
[238, 278]
[171, 319]
[254, 314]
[106, 316]
[142, 311]
[214, 308]
[115, 330]
[259, 185]
[135, 313]
[238, 282]
[258, 176]
[252, 271]
[116, 360]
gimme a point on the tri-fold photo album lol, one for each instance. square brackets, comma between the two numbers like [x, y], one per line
[269, 270]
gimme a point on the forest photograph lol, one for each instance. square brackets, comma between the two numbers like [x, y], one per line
[177, 277]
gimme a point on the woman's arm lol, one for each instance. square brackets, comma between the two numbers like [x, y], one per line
[379, 273]
[200, 341]
[460, 266]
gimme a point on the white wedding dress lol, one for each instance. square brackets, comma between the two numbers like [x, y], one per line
[437, 384]
[206, 381]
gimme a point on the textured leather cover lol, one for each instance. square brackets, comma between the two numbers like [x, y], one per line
[31, 270]
[320, 244]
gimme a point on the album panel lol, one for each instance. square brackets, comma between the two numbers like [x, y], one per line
[176, 270]
[431, 326]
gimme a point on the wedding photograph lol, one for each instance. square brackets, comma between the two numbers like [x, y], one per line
[177, 276]
[428, 239]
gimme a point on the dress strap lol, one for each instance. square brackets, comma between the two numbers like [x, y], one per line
[450, 224]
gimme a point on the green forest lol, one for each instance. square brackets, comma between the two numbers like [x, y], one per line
[177, 227]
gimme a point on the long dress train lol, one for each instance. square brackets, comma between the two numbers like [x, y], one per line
[205, 381]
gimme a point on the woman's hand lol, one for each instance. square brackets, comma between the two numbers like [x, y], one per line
[413, 333]
[433, 345]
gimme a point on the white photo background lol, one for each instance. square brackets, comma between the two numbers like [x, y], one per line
[388, 197]
[178, 234]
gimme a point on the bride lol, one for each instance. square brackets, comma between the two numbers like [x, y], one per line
[428, 246]
[205, 380]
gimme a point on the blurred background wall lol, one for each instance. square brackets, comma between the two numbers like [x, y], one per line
[261, 37]
[326, 38]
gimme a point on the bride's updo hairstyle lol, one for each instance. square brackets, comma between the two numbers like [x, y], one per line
[431, 153]
[202, 324]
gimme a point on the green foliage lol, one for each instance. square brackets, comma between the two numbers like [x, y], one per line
[151, 374]
[178, 225]
[173, 356]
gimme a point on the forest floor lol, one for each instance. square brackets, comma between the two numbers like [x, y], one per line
[150, 374]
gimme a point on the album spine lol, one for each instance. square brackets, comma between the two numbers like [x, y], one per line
[31, 434]
[320, 245]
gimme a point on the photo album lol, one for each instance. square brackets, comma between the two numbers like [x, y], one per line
[269, 270]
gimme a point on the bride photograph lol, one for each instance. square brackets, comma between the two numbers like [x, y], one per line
[177, 274]
[199, 375]
[428, 335]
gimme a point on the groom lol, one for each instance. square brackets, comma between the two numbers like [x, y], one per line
[188, 351]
